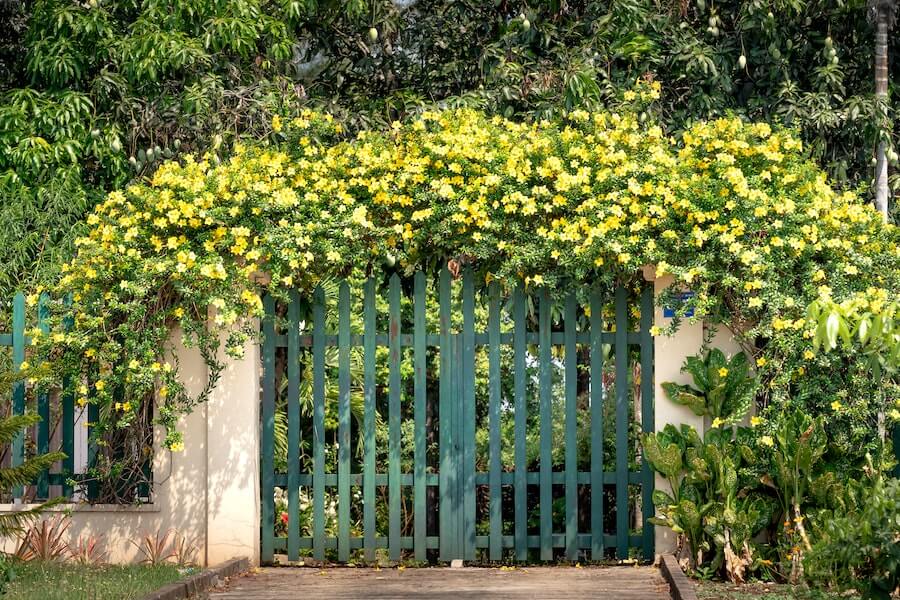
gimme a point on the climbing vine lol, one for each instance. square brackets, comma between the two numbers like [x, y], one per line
[733, 210]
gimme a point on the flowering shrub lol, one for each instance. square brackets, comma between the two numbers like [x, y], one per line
[733, 210]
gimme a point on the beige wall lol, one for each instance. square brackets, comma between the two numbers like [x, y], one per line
[208, 492]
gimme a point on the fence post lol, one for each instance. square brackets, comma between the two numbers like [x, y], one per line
[670, 353]
[233, 457]
[43, 406]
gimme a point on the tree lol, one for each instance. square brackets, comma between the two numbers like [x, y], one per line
[884, 15]
[94, 94]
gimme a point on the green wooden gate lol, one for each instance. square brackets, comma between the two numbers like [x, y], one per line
[535, 455]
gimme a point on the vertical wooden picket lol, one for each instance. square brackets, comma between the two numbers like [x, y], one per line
[596, 358]
[647, 417]
[395, 491]
[545, 377]
[521, 423]
[467, 414]
[447, 409]
[319, 424]
[419, 457]
[293, 414]
[18, 390]
[267, 461]
[344, 498]
[496, 513]
[622, 383]
[43, 406]
[571, 379]
[369, 348]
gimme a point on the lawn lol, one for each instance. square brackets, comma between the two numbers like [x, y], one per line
[65, 581]
[712, 590]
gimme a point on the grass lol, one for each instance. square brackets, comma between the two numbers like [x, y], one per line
[66, 581]
[712, 590]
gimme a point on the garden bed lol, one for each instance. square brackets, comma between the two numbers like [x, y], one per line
[35, 580]
[712, 590]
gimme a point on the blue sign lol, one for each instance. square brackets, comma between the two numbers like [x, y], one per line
[681, 298]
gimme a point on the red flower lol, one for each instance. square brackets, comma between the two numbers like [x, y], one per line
[284, 518]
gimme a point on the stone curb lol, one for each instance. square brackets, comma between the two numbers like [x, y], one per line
[200, 582]
[680, 587]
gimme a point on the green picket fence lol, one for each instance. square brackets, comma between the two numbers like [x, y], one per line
[62, 416]
[450, 388]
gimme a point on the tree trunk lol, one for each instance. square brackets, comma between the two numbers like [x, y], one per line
[883, 18]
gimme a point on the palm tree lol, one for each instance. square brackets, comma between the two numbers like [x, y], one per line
[883, 13]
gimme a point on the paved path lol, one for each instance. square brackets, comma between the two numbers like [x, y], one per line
[614, 583]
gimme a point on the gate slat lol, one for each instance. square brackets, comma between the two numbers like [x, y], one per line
[621, 423]
[468, 415]
[596, 358]
[43, 406]
[571, 377]
[369, 350]
[267, 485]
[420, 332]
[344, 499]
[521, 422]
[394, 489]
[545, 376]
[18, 388]
[647, 416]
[293, 414]
[319, 424]
[496, 514]
[447, 411]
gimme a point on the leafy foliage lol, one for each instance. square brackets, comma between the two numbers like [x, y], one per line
[860, 548]
[712, 505]
[96, 93]
[723, 388]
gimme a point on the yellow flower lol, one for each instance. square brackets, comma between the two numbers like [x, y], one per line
[761, 361]
[836, 405]
[24, 365]
[163, 391]
[754, 421]
[177, 446]
[100, 385]
[808, 354]
[134, 364]
[767, 440]
[655, 330]
[717, 422]
[723, 372]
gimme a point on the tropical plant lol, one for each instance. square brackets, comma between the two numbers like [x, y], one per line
[156, 548]
[88, 550]
[45, 540]
[712, 506]
[798, 443]
[723, 388]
